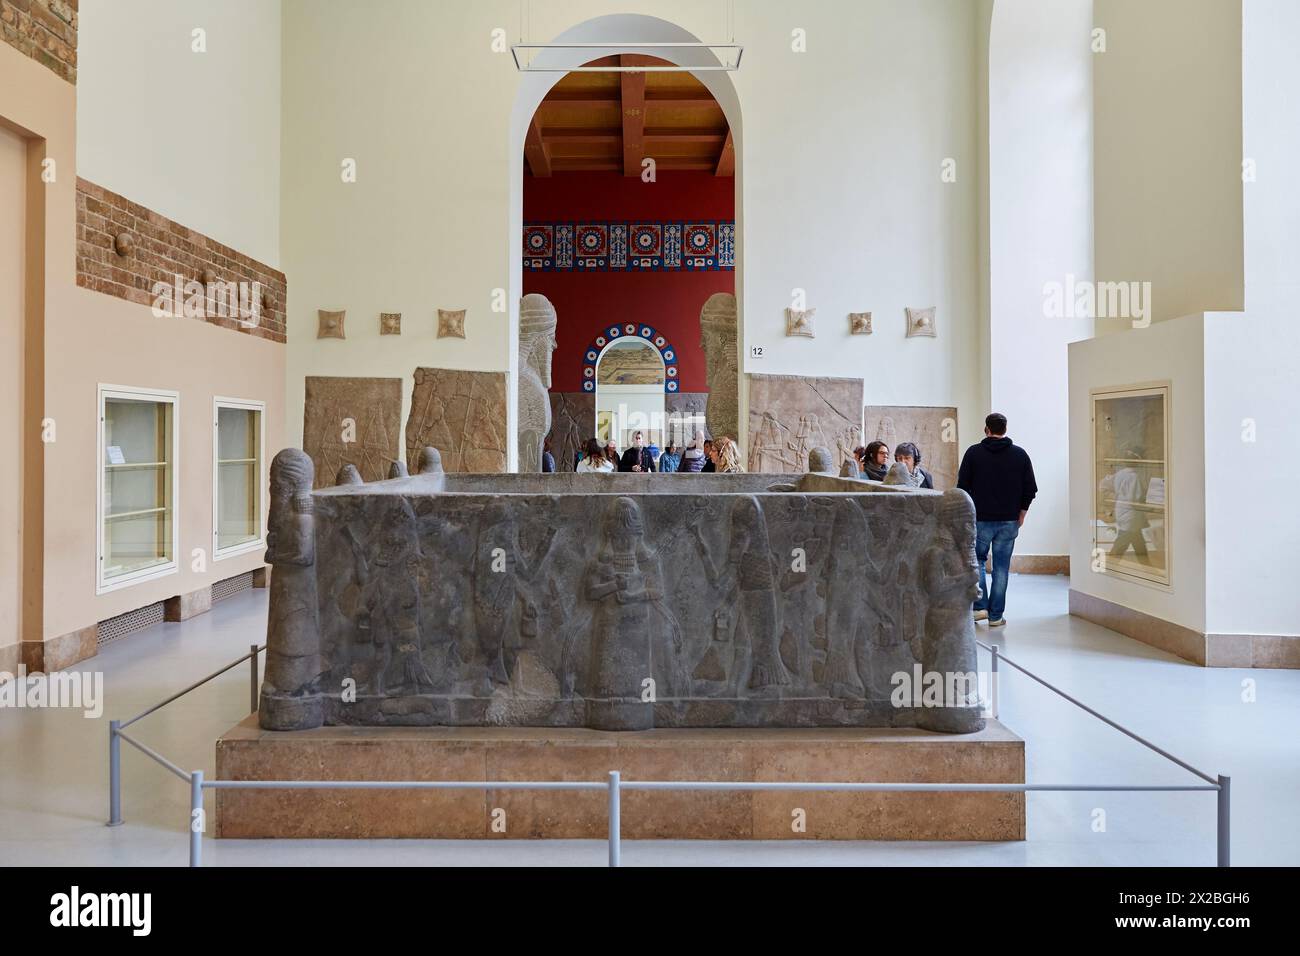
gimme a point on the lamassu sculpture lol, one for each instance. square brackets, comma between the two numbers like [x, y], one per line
[619, 602]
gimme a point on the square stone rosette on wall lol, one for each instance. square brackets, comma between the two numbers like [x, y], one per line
[451, 324]
[330, 324]
[921, 322]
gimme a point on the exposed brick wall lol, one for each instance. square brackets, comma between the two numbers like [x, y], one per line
[162, 250]
[45, 30]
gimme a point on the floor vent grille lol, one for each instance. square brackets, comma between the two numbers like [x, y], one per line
[128, 623]
[230, 586]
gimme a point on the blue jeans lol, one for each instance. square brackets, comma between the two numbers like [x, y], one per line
[1001, 536]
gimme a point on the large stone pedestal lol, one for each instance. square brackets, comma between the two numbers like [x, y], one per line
[246, 752]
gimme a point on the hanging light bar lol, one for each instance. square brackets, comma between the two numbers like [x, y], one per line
[611, 48]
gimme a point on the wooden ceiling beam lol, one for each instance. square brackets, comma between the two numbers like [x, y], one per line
[535, 150]
[726, 158]
[557, 134]
[633, 106]
[668, 135]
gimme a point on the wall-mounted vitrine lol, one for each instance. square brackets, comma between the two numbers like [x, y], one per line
[237, 476]
[137, 489]
[1131, 482]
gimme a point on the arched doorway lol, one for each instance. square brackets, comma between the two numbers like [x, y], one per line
[625, 31]
[630, 376]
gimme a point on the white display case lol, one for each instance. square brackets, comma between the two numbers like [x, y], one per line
[1132, 491]
[238, 477]
[137, 486]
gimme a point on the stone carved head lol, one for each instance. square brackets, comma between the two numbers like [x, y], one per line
[820, 459]
[430, 460]
[537, 340]
[348, 475]
[292, 475]
[624, 527]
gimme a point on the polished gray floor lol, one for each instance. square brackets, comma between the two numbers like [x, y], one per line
[53, 781]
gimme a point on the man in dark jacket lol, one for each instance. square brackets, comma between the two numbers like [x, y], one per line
[999, 477]
[638, 457]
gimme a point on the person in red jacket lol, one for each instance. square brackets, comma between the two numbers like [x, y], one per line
[999, 477]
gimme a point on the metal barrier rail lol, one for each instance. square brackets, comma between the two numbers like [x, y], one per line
[615, 785]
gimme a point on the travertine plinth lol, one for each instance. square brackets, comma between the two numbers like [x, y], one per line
[246, 752]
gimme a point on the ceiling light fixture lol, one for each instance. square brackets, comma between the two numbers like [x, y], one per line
[727, 63]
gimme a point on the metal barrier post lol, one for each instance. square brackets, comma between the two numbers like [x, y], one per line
[615, 849]
[1225, 820]
[252, 687]
[197, 823]
[114, 774]
[993, 683]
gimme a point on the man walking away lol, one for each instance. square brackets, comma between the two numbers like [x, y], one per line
[999, 477]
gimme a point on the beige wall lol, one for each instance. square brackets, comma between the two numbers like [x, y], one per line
[91, 338]
[1168, 153]
[839, 153]
[194, 136]
[1040, 231]
[120, 343]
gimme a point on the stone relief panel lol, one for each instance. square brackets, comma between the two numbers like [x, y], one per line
[573, 421]
[352, 421]
[932, 429]
[561, 607]
[463, 415]
[686, 414]
[789, 415]
[718, 340]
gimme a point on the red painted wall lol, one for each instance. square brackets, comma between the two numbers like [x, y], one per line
[588, 302]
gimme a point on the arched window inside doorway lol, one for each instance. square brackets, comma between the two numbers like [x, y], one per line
[630, 376]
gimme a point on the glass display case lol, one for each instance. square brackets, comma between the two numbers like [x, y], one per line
[1131, 488]
[237, 493]
[137, 485]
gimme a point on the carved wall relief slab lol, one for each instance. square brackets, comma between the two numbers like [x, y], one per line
[859, 323]
[932, 429]
[718, 337]
[451, 324]
[352, 421]
[330, 324]
[921, 322]
[687, 414]
[463, 415]
[791, 414]
[390, 323]
[800, 322]
[573, 421]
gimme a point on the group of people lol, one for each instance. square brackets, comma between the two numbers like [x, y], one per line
[873, 463]
[701, 455]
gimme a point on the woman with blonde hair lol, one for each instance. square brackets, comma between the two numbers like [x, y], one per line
[726, 456]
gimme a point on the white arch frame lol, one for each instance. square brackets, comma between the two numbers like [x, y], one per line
[621, 28]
